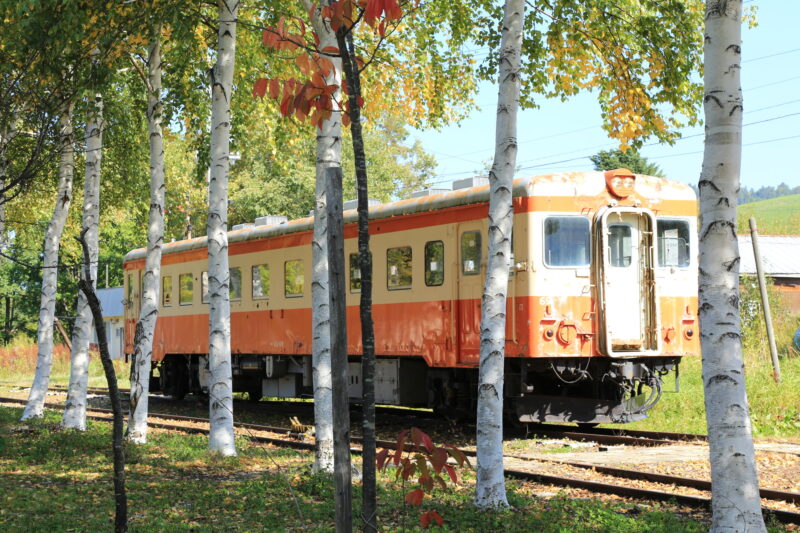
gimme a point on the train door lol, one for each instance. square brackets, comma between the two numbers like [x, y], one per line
[471, 272]
[133, 302]
[626, 281]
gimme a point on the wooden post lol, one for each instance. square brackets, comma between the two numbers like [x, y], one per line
[339, 372]
[762, 287]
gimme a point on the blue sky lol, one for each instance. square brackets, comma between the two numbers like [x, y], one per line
[560, 136]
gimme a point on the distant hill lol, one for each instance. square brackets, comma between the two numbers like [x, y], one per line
[777, 216]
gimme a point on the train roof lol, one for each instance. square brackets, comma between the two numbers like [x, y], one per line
[560, 184]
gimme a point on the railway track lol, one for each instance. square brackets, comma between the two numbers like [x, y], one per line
[525, 465]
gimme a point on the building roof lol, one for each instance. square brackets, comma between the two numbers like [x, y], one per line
[780, 255]
[111, 301]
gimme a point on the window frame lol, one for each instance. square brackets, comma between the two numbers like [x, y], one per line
[689, 242]
[353, 271]
[427, 263]
[230, 284]
[411, 269]
[543, 248]
[479, 234]
[165, 295]
[264, 294]
[302, 273]
[180, 288]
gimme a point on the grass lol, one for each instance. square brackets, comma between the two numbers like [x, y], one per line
[777, 216]
[52, 479]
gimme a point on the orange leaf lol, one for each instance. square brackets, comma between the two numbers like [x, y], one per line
[426, 518]
[451, 472]
[260, 88]
[274, 88]
[415, 497]
[331, 50]
[438, 459]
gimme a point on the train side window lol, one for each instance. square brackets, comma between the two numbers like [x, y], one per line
[130, 288]
[619, 245]
[185, 289]
[566, 241]
[235, 287]
[673, 243]
[204, 287]
[434, 263]
[260, 282]
[293, 278]
[355, 274]
[166, 291]
[471, 253]
[398, 268]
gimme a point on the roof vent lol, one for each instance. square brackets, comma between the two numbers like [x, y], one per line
[428, 192]
[271, 220]
[353, 204]
[246, 225]
[468, 183]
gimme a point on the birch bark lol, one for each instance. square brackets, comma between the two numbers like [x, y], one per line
[52, 239]
[329, 155]
[151, 286]
[736, 505]
[220, 438]
[75, 407]
[490, 490]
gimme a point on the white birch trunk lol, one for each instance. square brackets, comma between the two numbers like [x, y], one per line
[736, 505]
[52, 240]
[151, 278]
[75, 407]
[490, 489]
[329, 154]
[220, 437]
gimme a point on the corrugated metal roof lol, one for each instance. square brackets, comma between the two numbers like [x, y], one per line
[111, 301]
[780, 255]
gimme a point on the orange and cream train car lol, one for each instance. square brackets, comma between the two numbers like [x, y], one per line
[601, 301]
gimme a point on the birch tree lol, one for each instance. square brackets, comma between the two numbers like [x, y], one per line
[490, 490]
[52, 241]
[329, 155]
[736, 505]
[151, 286]
[75, 406]
[221, 437]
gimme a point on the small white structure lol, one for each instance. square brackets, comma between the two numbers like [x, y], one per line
[111, 302]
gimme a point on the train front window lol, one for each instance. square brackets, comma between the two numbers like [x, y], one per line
[293, 278]
[355, 274]
[166, 291]
[566, 241]
[260, 282]
[434, 263]
[673, 243]
[471, 253]
[185, 289]
[619, 245]
[235, 288]
[398, 268]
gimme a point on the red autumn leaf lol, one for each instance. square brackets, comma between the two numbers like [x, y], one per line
[421, 439]
[438, 459]
[393, 11]
[260, 88]
[316, 38]
[426, 481]
[380, 459]
[304, 63]
[415, 497]
[373, 11]
[403, 435]
[286, 105]
[330, 50]
[317, 80]
[382, 28]
[425, 519]
[451, 472]
[274, 88]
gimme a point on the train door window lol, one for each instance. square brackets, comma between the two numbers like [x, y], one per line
[471, 253]
[235, 288]
[619, 245]
[293, 278]
[204, 287]
[566, 241]
[355, 274]
[166, 291]
[398, 268]
[434, 263]
[185, 289]
[673, 243]
[260, 282]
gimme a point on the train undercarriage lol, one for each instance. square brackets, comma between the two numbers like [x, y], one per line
[582, 390]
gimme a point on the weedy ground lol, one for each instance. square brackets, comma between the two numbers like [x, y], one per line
[56, 480]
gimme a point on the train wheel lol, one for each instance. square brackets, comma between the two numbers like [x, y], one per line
[254, 393]
[587, 425]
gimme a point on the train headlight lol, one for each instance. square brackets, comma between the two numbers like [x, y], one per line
[620, 182]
